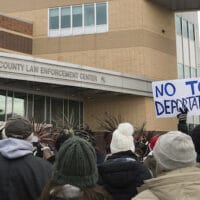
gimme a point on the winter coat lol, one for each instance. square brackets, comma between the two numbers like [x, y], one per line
[121, 174]
[22, 176]
[180, 184]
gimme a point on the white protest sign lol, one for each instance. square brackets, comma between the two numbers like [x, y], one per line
[171, 95]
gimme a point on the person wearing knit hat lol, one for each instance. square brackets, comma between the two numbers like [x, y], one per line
[122, 172]
[195, 134]
[75, 166]
[19, 167]
[178, 177]
[175, 150]
[122, 138]
[149, 160]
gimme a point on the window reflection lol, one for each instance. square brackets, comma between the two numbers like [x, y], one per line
[2, 105]
[40, 108]
[20, 104]
[9, 105]
[57, 112]
[74, 112]
[39, 103]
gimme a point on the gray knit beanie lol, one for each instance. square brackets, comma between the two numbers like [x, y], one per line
[76, 164]
[174, 150]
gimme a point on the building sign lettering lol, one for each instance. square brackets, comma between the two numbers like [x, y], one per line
[47, 71]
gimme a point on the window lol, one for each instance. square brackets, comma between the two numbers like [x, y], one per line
[2, 105]
[101, 13]
[78, 19]
[185, 28]
[89, 15]
[198, 72]
[39, 105]
[54, 18]
[187, 71]
[178, 25]
[191, 31]
[193, 72]
[77, 16]
[20, 104]
[66, 17]
[180, 71]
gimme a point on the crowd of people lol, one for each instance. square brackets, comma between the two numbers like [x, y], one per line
[170, 171]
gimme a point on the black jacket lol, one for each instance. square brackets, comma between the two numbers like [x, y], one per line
[121, 174]
[23, 178]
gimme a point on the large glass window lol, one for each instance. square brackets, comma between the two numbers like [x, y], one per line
[187, 71]
[30, 107]
[178, 25]
[180, 71]
[39, 108]
[74, 112]
[48, 110]
[77, 16]
[89, 15]
[198, 72]
[191, 31]
[101, 13]
[193, 72]
[57, 112]
[66, 17]
[20, 104]
[2, 105]
[9, 105]
[54, 18]
[81, 113]
[185, 28]
[66, 110]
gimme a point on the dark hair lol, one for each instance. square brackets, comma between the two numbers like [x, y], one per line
[90, 193]
[61, 139]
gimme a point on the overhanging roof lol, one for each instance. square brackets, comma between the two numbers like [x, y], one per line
[31, 69]
[179, 5]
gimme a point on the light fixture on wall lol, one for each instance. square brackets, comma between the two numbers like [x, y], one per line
[163, 31]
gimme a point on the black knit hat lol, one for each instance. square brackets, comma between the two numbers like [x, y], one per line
[18, 127]
[76, 164]
[195, 134]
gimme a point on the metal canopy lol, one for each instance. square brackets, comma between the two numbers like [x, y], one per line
[179, 5]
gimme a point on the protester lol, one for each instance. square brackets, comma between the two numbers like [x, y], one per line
[182, 118]
[149, 160]
[178, 177]
[22, 176]
[122, 173]
[75, 173]
[47, 153]
[195, 134]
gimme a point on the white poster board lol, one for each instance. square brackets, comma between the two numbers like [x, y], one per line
[171, 95]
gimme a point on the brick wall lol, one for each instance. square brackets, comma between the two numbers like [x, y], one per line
[16, 25]
[15, 42]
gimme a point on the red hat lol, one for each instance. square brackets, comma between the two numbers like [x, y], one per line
[153, 142]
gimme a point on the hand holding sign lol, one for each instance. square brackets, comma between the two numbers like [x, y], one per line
[171, 95]
[182, 116]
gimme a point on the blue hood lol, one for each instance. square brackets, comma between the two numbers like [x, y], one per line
[12, 148]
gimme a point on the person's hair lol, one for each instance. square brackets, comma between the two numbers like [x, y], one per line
[89, 193]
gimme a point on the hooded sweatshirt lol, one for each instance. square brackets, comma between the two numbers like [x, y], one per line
[23, 176]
